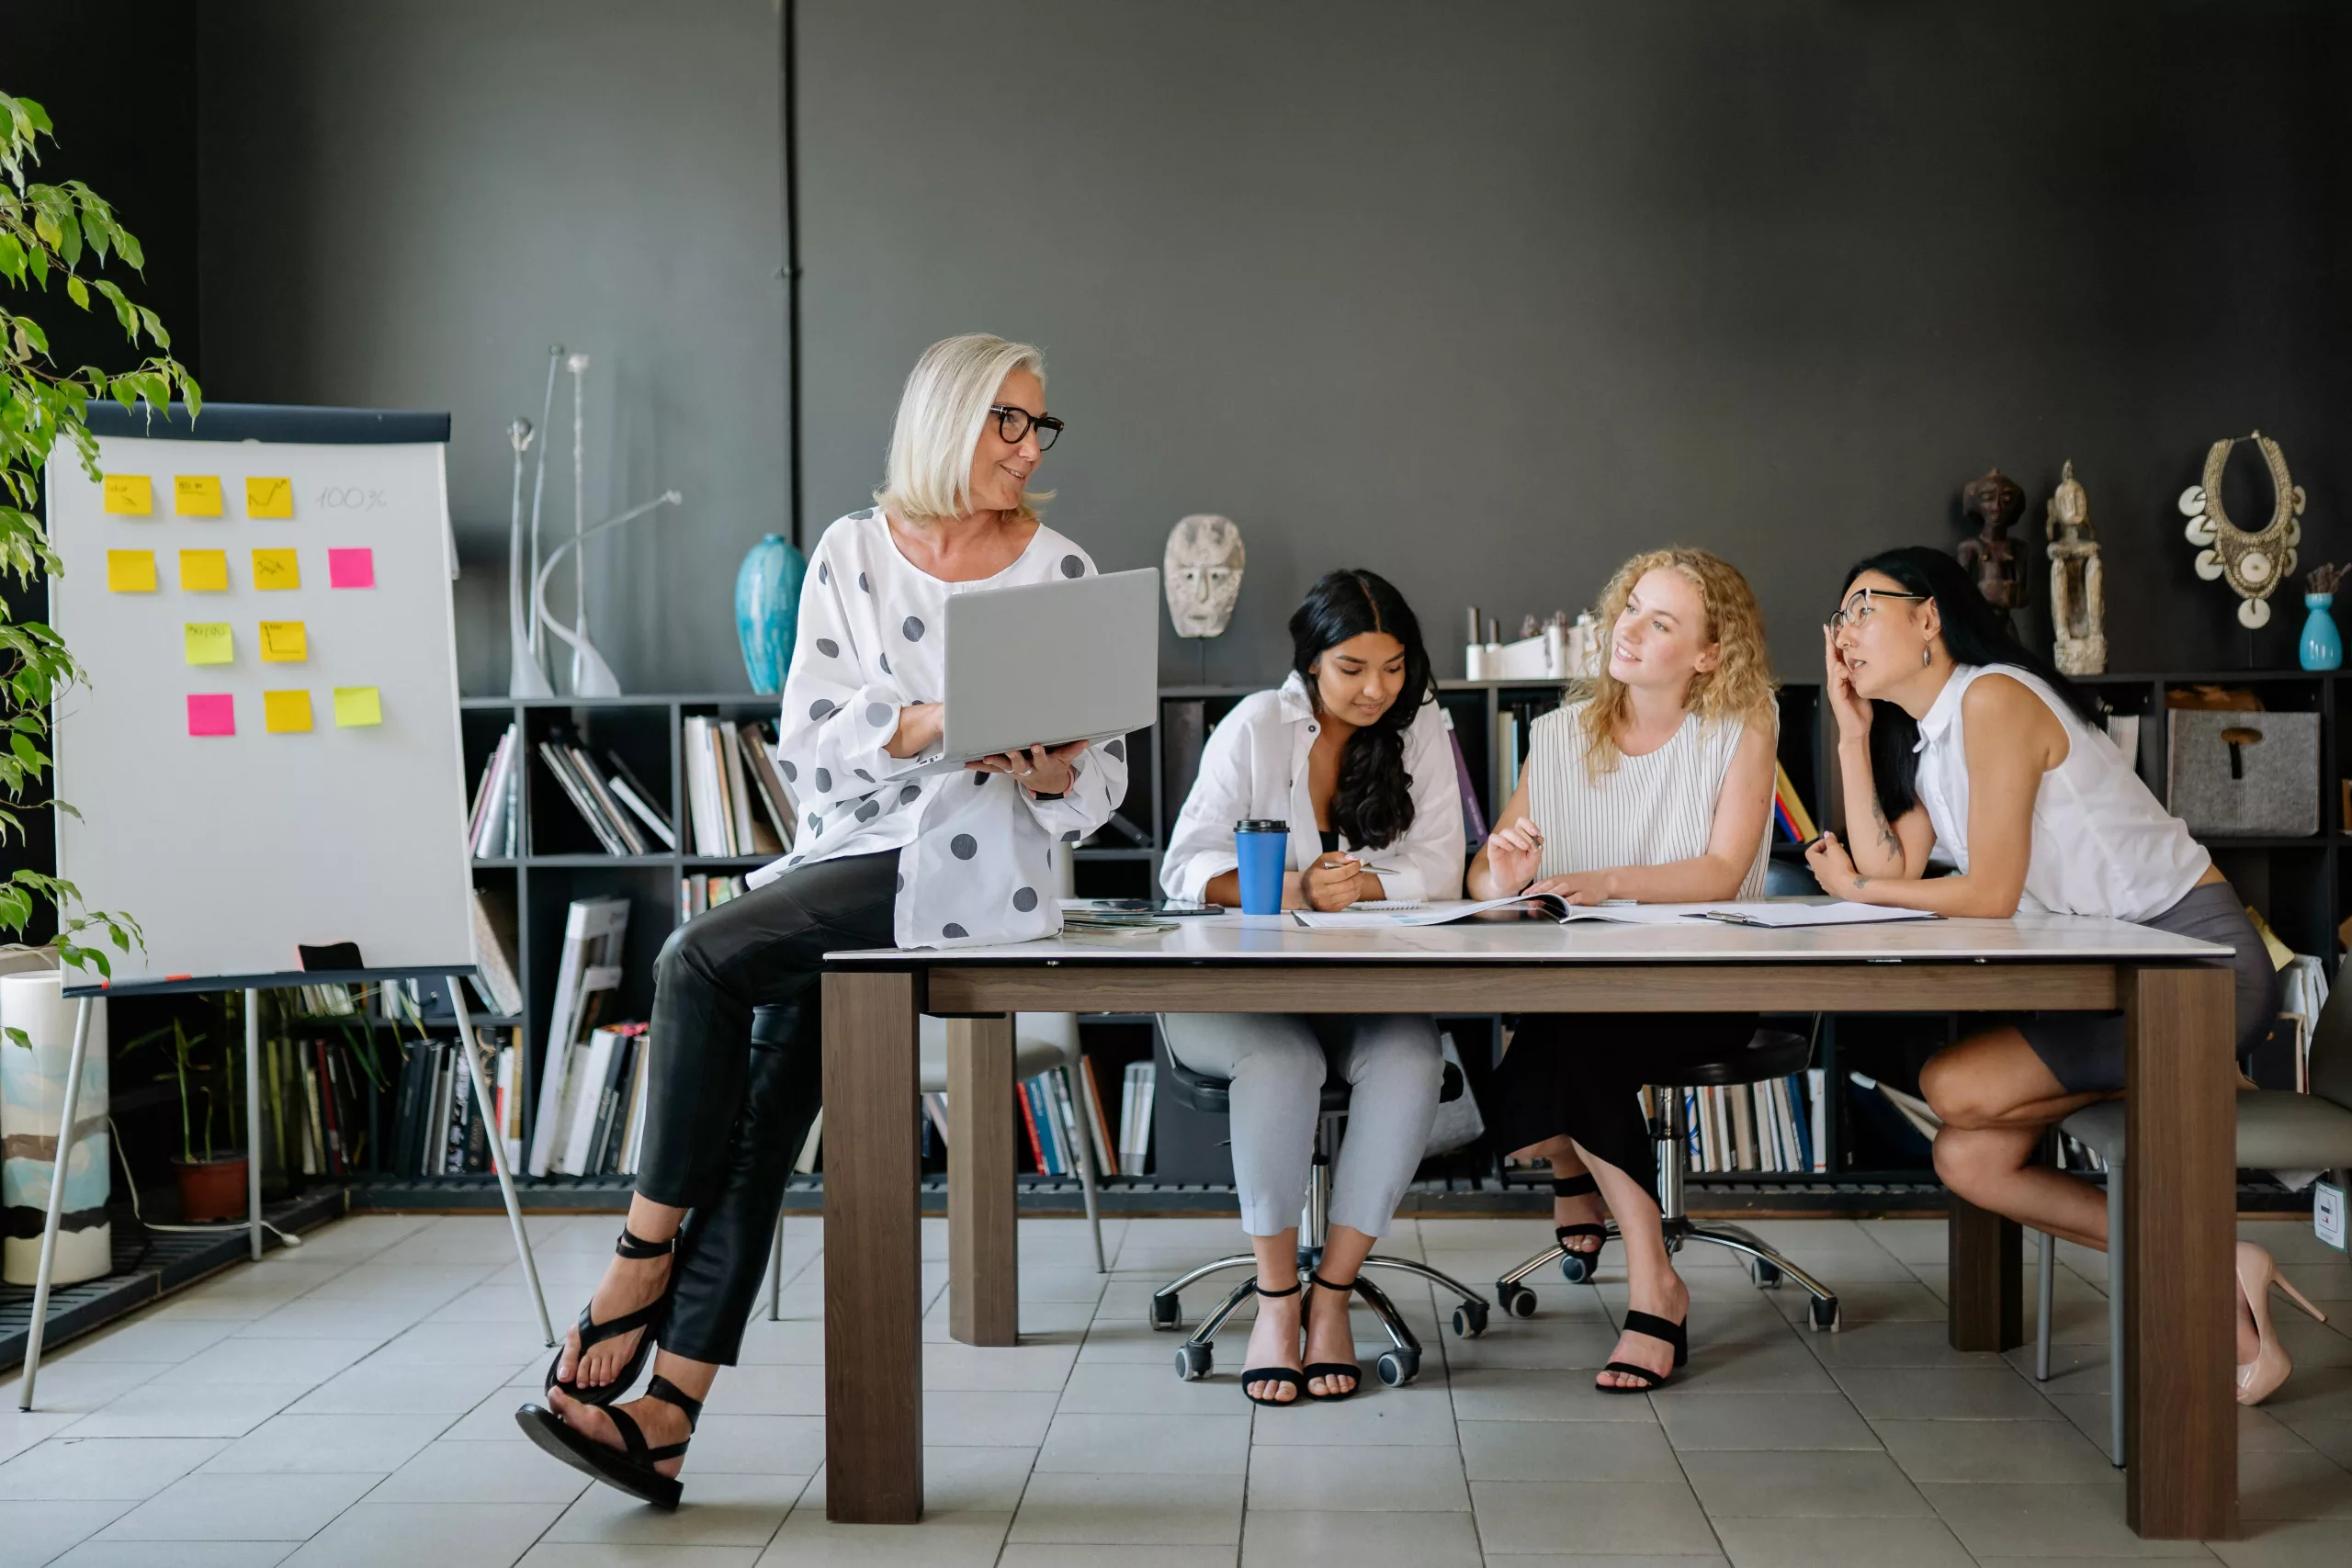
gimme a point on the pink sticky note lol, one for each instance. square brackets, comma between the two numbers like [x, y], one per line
[351, 569]
[211, 712]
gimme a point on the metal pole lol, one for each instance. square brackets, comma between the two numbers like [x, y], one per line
[56, 1201]
[253, 1119]
[469, 1047]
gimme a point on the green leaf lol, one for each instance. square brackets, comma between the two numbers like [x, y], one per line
[154, 328]
[77, 291]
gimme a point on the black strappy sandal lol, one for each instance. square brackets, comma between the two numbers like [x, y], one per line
[1335, 1369]
[1650, 1327]
[594, 1333]
[1273, 1375]
[631, 1470]
[1577, 1266]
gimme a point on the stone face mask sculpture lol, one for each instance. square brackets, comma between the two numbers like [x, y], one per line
[1202, 574]
[2254, 562]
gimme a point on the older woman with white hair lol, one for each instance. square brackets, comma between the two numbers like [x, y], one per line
[888, 854]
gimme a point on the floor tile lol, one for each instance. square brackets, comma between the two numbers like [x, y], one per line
[1822, 1485]
[387, 1389]
[89, 1469]
[65, 1383]
[21, 1429]
[1169, 1445]
[245, 1360]
[241, 1507]
[1550, 1515]
[2310, 1544]
[2036, 1452]
[1302, 1475]
[1413, 1417]
[146, 1338]
[481, 1472]
[1107, 1388]
[2280, 1484]
[987, 1420]
[1034, 1554]
[2005, 1520]
[942, 1540]
[1943, 1393]
[757, 1445]
[329, 1443]
[771, 1389]
[446, 1535]
[1700, 1420]
[219, 1410]
[1841, 1543]
[1905, 1344]
[1539, 1394]
[32, 1532]
[172, 1554]
[1625, 1452]
[956, 1479]
[720, 1510]
[1040, 1367]
[607, 1554]
[1782, 1367]
[1340, 1540]
[1153, 1510]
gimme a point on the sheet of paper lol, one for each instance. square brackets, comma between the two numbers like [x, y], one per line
[285, 713]
[130, 496]
[283, 642]
[1435, 913]
[211, 712]
[130, 571]
[270, 497]
[351, 569]
[277, 569]
[208, 642]
[1782, 914]
[357, 706]
[204, 571]
[1775, 913]
[195, 495]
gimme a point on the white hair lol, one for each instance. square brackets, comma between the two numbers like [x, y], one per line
[929, 472]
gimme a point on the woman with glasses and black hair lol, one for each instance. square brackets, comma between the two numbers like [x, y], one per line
[1952, 734]
[1352, 751]
[888, 852]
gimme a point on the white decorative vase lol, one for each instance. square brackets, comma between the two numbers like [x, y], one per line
[32, 1092]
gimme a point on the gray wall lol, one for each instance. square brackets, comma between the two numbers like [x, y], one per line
[1487, 296]
[405, 202]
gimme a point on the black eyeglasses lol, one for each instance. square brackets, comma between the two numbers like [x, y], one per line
[1841, 619]
[1013, 423]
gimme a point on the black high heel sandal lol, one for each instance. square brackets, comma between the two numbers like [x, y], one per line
[1273, 1375]
[630, 1469]
[1577, 1266]
[1335, 1369]
[594, 1333]
[1650, 1327]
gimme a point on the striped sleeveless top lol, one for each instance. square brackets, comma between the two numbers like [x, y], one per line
[1648, 811]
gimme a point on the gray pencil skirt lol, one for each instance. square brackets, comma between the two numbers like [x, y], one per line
[2084, 1050]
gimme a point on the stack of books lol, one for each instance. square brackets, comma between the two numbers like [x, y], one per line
[1775, 1126]
[1055, 1125]
[495, 826]
[736, 801]
[697, 893]
[616, 805]
[435, 1128]
[1788, 808]
[588, 978]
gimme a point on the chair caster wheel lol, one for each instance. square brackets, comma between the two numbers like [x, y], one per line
[1766, 1275]
[1194, 1362]
[1580, 1267]
[1823, 1316]
[1516, 1299]
[1470, 1319]
[1398, 1367]
[1167, 1314]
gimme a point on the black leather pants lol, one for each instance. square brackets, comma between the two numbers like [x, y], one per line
[730, 1098]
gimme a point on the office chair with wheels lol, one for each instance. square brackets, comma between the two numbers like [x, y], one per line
[1770, 1053]
[1398, 1365]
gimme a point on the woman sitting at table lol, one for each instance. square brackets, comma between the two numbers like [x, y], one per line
[1656, 784]
[886, 854]
[1951, 734]
[1352, 752]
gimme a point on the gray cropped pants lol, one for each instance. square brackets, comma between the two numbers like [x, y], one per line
[1277, 1063]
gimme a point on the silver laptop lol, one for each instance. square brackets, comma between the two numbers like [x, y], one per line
[1051, 663]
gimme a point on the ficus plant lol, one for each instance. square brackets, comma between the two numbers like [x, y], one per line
[55, 239]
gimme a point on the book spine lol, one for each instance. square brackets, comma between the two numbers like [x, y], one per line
[558, 766]
[1067, 1131]
[1029, 1121]
[628, 796]
[1743, 1126]
[1105, 1157]
[1816, 1094]
[619, 823]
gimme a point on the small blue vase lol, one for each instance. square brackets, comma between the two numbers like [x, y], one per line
[2323, 648]
[767, 610]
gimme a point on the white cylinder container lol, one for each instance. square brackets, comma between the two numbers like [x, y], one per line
[32, 1093]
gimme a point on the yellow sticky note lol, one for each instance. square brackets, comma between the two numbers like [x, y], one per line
[357, 706]
[130, 571]
[282, 642]
[195, 495]
[276, 569]
[130, 496]
[204, 571]
[209, 642]
[269, 498]
[285, 713]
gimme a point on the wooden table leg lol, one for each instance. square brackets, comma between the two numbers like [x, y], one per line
[2180, 1241]
[873, 1251]
[983, 1272]
[1986, 1259]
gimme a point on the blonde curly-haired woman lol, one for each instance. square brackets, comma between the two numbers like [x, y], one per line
[1654, 784]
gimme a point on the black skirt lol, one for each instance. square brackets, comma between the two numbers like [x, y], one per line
[1582, 1074]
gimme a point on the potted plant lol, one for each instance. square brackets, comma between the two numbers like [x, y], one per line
[211, 1176]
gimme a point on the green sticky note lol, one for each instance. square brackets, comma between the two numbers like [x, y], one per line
[357, 706]
[208, 642]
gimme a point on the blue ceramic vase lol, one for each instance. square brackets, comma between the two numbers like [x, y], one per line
[2323, 648]
[767, 609]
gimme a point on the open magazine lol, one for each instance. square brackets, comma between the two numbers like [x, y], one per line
[1774, 914]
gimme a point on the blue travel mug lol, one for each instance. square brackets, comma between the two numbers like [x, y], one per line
[1262, 846]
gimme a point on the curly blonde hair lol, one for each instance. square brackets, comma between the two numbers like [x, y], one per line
[1740, 683]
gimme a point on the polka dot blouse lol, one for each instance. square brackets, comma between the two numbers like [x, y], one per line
[977, 848]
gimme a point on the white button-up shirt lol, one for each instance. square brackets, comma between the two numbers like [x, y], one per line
[976, 862]
[1255, 766]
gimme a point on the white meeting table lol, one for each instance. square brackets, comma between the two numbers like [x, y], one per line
[2175, 993]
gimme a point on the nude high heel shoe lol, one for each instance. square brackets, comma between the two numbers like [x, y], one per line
[2260, 1378]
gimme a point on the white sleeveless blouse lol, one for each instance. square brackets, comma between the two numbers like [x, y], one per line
[1648, 811]
[2102, 844]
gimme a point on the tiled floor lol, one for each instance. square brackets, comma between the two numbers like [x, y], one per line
[351, 1403]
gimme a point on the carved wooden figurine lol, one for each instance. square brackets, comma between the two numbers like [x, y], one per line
[2077, 580]
[1995, 503]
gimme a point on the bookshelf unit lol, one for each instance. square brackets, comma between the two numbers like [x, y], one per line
[2303, 885]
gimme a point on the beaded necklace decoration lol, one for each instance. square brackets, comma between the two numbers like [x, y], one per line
[2254, 563]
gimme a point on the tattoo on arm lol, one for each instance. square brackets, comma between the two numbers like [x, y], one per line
[1861, 882]
[1887, 834]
